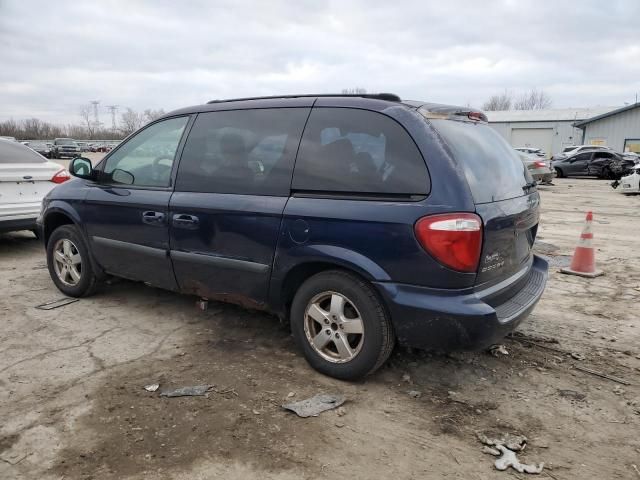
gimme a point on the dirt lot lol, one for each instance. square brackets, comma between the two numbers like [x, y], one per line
[72, 403]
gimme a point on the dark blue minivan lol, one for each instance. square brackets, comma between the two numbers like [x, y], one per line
[363, 219]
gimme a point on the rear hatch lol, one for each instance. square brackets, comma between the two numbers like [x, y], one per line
[503, 192]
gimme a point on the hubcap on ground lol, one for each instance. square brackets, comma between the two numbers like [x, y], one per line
[333, 327]
[67, 262]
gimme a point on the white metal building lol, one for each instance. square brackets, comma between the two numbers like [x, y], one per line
[550, 130]
[618, 129]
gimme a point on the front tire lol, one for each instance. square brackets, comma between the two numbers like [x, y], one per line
[340, 324]
[69, 262]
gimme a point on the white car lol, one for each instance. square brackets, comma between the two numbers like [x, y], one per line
[631, 183]
[25, 178]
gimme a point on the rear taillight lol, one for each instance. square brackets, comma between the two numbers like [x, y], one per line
[60, 176]
[453, 239]
[540, 164]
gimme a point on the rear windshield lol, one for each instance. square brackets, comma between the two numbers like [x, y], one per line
[14, 152]
[493, 168]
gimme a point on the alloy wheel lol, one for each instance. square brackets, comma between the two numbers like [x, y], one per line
[333, 327]
[67, 262]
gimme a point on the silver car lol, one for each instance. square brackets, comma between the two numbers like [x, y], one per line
[539, 168]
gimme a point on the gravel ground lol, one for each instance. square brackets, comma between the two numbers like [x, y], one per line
[72, 403]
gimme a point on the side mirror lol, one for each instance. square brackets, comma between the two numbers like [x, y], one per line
[81, 167]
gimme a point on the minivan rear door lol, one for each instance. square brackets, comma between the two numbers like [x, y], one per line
[503, 192]
[232, 186]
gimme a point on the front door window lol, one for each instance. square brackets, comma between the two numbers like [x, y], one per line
[146, 159]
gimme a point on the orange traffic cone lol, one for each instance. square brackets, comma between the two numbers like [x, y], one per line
[583, 262]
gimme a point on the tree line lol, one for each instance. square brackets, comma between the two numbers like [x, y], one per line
[534, 99]
[36, 129]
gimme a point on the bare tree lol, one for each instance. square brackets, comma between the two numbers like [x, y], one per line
[151, 115]
[354, 91]
[130, 121]
[501, 101]
[533, 100]
[85, 115]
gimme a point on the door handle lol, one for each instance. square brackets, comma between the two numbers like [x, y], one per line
[153, 218]
[182, 220]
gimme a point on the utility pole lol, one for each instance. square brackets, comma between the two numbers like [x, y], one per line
[112, 109]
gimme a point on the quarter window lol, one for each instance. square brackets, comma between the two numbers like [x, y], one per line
[242, 151]
[358, 151]
[146, 159]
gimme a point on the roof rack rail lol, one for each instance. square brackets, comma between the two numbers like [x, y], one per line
[392, 97]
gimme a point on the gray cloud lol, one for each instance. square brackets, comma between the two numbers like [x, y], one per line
[55, 56]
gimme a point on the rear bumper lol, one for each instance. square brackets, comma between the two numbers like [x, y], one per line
[463, 320]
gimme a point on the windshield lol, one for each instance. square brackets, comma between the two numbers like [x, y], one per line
[65, 141]
[493, 168]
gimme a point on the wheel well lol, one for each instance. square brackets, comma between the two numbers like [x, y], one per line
[53, 221]
[300, 273]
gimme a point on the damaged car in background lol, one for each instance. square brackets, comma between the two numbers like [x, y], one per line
[593, 163]
[630, 181]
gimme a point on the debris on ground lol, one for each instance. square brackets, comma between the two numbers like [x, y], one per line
[498, 350]
[505, 446]
[602, 375]
[571, 394]
[312, 407]
[512, 442]
[291, 394]
[194, 391]
[414, 393]
[57, 303]
[152, 387]
[618, 390]
[509, 459]
[577, 356]
[532, 338]
[202, 304]
[406, 378]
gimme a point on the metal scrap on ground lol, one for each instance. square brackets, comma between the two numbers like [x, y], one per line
[312, 407]
[602, 375]
[509, 459]
[152, 388]
[57, 303]
[505, 447]
[195, 391]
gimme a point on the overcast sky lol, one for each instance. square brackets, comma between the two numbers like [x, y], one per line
[57, 55]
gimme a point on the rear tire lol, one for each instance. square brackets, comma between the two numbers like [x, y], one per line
[559, 173]
[69, 262]
[341, 325]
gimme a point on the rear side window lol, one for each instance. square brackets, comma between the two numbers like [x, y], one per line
[242, 151]
[582, 156]
[492, 167]
[358, 151]
[14, 152]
